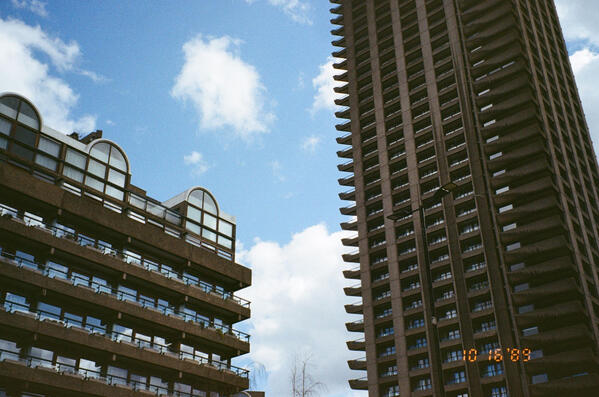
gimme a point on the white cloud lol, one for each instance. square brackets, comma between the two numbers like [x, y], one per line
[298, 10]
[324, 84]
[277, 170]
[35, 6]
[311, 143]
[579, 19]
[579, 25]
[297, 305]
[197, 161]
[225, 90]
[27, 75]
[585, 64]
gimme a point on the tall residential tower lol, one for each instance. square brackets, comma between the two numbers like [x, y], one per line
[474, 184]
[105, 291]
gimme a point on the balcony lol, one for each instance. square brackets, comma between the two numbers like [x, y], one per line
[354, 290]
[356, 345]
[352, 273]
[355, 308]
[357, 364]
[359, 384]
[353, 256]
[355, 326]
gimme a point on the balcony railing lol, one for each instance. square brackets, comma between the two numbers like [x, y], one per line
[86, 373]
[122, 295]
[105, 249]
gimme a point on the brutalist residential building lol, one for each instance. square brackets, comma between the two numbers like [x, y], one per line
[105, 291]
[474, 184]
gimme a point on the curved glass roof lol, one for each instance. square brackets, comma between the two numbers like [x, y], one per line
[19, 108]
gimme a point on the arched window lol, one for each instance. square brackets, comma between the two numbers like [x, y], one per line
[106, 169]
[204, 220]
[17, 108]
[19, 126]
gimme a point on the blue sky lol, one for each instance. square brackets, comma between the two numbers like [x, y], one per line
[137, 51]
[235, 96]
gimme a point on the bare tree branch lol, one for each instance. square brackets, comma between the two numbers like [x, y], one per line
[302, 381]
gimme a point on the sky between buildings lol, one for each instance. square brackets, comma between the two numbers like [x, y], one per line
[235, 96]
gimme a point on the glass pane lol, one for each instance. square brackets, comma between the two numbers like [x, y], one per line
[209, 235]
[225, 228]
[173, 217]
[25, 135]
[137, 201]
[48, 311]
[196, 198]
[225, 242]
[89, 368]
[75, 158]
[8, 106]
[118, 178]
[5, 126]
[120, 333]
[117, 159]
[116, 375]
[126, 293]
[66, 364]
[192, 227]
[22, 152]
[100, 151]
[155, 209]
[114, 192]
[73, 320]
[46, 161]
[209, 204]
[3, 143]
[27, 116]
[194, 214]
[94, 183]
[54, 269]
[48, 146]
[97, 169]
[72, 173]
[209, 221]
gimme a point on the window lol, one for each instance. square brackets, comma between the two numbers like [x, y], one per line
[14, 303]
[423, 384]
[455, 355]
[526, 308]
[41, 357]
[9, 350]
[457, 377]
[530, 331]
[513, 246]
[502, 190]
[521, 287]
[505, 208]
[116, 376]
[493, 370]
[50, 147]
[495, 155]
[48, 311]
[509, 227]
[500, 391]
[540, 378]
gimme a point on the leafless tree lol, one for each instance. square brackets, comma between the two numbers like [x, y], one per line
[302, 381]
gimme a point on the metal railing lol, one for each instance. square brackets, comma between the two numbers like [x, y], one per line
[84, 241]
[116, 336]
[125, 296]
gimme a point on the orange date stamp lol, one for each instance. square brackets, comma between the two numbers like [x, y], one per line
[497, 355]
